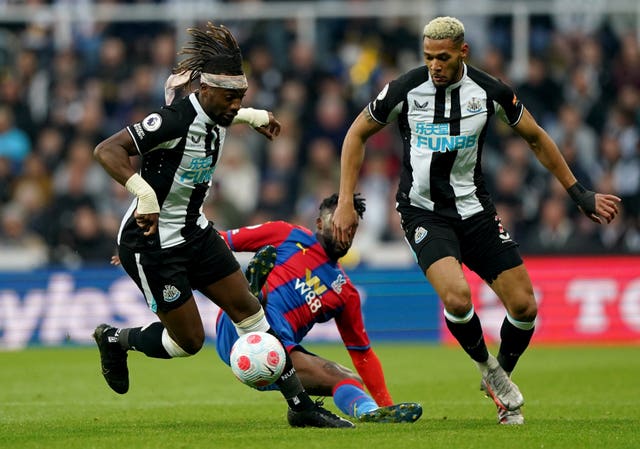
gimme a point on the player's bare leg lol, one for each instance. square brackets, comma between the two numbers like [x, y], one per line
[515, 290]
[447, 278]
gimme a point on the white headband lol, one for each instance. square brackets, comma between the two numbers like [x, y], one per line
[210, 79]
[224, 81]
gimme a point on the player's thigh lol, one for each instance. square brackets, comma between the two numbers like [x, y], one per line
[435, 243]
[487, 247]
[515, 290]
[447, 278]
[232, 295]
[215, 271]
[161, 276]
[489, 250]
[210, 260]
[430, 236]
[184, 325]
[317, 374]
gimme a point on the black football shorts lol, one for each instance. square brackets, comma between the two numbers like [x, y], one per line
[480, 242]
[167, 276]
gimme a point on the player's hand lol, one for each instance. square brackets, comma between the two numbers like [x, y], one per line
[147, 222]
[115, 260]
[344, 224]
[272, 129]
[598, 207]
[606, 208]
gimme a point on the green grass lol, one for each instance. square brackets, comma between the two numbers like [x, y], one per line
[577, 397]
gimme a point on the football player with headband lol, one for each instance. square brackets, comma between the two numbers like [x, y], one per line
[166, 244]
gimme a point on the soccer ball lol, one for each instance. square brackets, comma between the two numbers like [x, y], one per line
[257, 359]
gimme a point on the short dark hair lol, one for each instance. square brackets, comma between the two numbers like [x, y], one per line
[331, 202]
[212, 50]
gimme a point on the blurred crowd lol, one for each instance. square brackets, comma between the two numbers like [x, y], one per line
[57, 206]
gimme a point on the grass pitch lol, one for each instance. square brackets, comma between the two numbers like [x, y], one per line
[576, 397]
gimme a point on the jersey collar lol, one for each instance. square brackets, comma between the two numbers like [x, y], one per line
[461, 80]
[193, 98]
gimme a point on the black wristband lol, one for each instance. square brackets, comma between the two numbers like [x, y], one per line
[585, 199]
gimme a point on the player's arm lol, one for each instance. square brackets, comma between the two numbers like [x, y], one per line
[596, 206]
[114, 155]
[262, 121]
[352, 331]
[345, 218]
[252, 238]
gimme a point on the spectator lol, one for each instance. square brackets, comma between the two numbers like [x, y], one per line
[570, 129]
[626, 66]
[21, 248]
[69, 91]
[163, 55]
[556, 232]
[540, 92]
[14, 142]
[12, 97]
[50, 146]
[330, 119]
[34, 171]
[6, 180]
[82, 170]
[88, 244]
[112, 71]
[322, 165]
[237, 169]
[622, 174]
[376, 186]
[280, 177]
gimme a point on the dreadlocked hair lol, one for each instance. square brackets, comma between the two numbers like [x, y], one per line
[213, 50]
[332, 201]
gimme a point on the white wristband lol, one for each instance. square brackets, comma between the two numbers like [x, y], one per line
[254, 117]
[147, 200]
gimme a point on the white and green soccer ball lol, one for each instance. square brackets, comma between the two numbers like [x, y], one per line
[257, 359]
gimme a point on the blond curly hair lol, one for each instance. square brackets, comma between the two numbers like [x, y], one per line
[444, 28]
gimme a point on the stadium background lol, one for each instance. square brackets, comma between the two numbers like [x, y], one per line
[73, 72]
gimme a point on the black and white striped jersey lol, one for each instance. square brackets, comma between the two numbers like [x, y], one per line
[179, 146]
[443, 130]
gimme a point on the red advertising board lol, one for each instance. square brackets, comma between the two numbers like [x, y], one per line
[580, 300]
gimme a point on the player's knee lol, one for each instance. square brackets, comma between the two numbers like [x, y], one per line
[193, 345]
[194, 342]
[185, 346]
[256, 322]
[456, 304]
[245, 307]
[524, 311]
[457, 299]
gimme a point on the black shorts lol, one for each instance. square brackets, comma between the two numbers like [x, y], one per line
[166, 277]
[480, 242]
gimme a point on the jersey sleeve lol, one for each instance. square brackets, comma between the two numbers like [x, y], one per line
[351, 327]
[349, 322]
[252, 238]
[386, 106]
[392, 98]
[508, 107]
[157, 130]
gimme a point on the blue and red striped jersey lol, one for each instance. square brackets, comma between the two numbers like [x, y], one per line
[305, 287]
